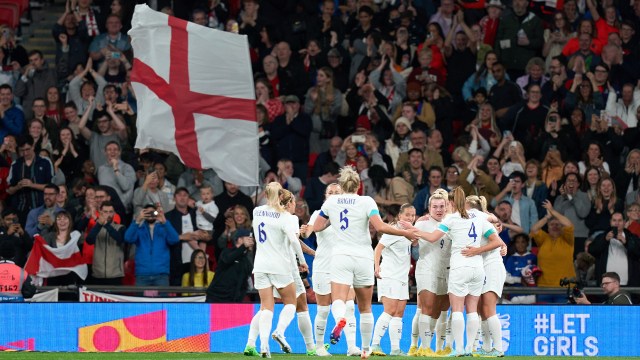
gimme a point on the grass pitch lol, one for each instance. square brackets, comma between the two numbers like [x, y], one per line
[213, 356]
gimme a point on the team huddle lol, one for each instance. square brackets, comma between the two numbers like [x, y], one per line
[459, 267]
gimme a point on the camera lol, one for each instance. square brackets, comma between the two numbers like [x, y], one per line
[155, 213]
[574, 288]
[614, 230]
[359, 139]
[115, 55]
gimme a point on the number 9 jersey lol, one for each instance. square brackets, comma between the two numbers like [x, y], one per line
[271, 230]
[349, 215]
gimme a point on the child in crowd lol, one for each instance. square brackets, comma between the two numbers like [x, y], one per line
[206, 213]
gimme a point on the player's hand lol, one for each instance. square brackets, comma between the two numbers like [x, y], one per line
[376, 272]
[470, 251]
[303, 267]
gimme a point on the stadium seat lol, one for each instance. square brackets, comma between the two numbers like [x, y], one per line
[9, 15]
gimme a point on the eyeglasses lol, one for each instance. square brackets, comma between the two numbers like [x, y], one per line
[606, 283]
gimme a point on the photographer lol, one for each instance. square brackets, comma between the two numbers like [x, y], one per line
[617, 250]
[152, 235]
[611, 288]
[234, 267]
[13, 234]
[108, 255]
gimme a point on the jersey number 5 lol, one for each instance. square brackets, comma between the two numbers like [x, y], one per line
[344, 220]
[472, 232]
[262, 235]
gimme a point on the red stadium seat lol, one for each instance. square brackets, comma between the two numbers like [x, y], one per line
[23, 5]
[9, 15]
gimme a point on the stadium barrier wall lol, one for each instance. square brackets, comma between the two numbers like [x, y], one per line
[569, 330]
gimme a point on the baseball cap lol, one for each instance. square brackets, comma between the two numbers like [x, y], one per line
[291, 99]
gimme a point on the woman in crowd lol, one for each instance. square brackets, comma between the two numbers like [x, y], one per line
[199, 274]
[53, 102]
[399, 142]
[534, 188]
[593, 156]
[38, 133]
[393, 289]
[323, 103]
[591, 178]
[266, 98]
[389, 83]
[237, 217]
[69, 154]
[61, 236]
[605, 204]
[556, 37]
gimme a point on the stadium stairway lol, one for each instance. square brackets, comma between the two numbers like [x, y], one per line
[37, 36]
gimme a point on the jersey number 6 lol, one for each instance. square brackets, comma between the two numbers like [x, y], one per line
[262, 235]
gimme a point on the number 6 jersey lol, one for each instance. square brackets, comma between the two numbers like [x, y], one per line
[349, 215]
[271, 230]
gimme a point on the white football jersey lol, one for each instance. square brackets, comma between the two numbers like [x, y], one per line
[349, 215]
[489, 256]
[434, 256]
[325, 240]
[273, 252]
[292, 227]
[465, 232]
[396, 257]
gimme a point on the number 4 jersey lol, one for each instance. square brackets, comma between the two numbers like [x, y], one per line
[349, 215]
[465, 232]
[271, 230]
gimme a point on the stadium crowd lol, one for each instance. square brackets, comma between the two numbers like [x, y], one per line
[532, 106]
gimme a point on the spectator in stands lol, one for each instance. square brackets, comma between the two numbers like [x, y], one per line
[519, 38]
[118, 174]
[626, 107]
[504, 93]
[293, 70]
[266, 97]
[556, 37]
[399, 142]
[592, 178]
[387, 191]
[15, 56]
[588, 97]
[60, 235]
[69, 153]
[421, 200]
[238, 218]
[555, 250]
[513, 158]
[230, 283]
[40, 220]
[72, 42]
[534, 74]
[291, 136]
[575, 205]
[482, 78]
[527, 119]
[27, 178]
[82, 90]
[110, 128]
[51, 126]
[112, 41]
[323, 103]
[228, 198]
[526, 213]
[183, 220]
[314, 191]
[149, 193]
[286, 176]
[36, 78]
[633, 219]
[153, 236]
[389, 83]
[414, 171]
[37, 132]
[199, 274]
[13, 235]
[11, 116]
[519, 264]
[495, 171]
[108, 255]
[628, 180]
[617, 250]
[192, 180]
[482, 183]
[327, 157]
[535, 189]
[510, 229]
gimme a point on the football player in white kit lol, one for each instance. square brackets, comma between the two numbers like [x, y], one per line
[466, 275]
[495, 275]
[393, 284]
[322, 283]
[432, 273]
[352, 262]
[273, 264]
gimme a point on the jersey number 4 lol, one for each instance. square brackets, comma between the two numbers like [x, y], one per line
[344, 220]
[472, 232]
[262, 235]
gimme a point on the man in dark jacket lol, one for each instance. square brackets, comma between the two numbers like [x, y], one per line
[234, 267]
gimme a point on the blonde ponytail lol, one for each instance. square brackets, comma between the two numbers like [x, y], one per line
[272, 193]
[349, 180]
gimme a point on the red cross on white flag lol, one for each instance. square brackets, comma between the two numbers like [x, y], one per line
[195, 94]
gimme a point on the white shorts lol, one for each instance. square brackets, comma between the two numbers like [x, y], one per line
[495, 274]
[432, 282]
[265, 281]
[352, 270]
[393, 289]
[298, 283]
[465, 281]
[321, 283]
